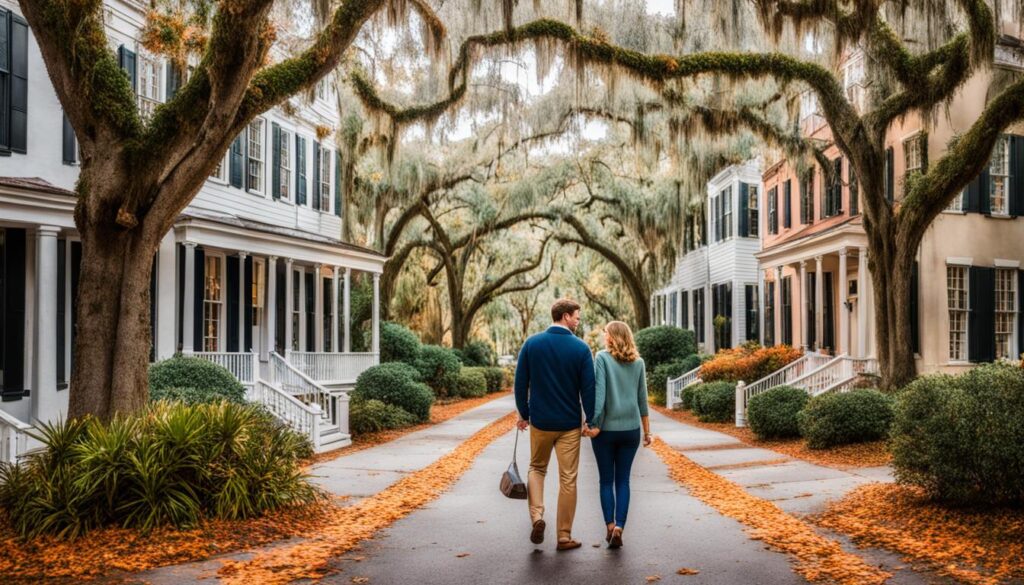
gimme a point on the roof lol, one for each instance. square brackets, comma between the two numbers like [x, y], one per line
[35, 184]
[274, 229]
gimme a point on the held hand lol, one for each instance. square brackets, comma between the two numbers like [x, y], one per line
[593, 432]
[522, 425]
[648, 439]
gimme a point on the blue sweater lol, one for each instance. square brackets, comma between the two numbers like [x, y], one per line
[554, 376]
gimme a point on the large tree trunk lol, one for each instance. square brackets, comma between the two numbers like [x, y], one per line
[113, 338]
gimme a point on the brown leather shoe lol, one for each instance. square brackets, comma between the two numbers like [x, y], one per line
[568, 544]
[537, 534]
[616, 539]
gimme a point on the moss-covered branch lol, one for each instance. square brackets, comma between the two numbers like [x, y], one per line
[850, 24]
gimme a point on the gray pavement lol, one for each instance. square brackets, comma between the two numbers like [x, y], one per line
[473, 535]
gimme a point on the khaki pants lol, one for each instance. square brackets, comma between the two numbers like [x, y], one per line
[566, 445]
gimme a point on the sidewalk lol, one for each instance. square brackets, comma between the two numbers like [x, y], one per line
[794, 485]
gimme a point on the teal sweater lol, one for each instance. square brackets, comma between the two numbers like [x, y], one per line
[620, 393]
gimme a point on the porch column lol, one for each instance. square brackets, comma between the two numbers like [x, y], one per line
[289, 304]
[709, 321]
[347, 310]
[45, 402]
[804, 306]
[759, 303]
[166, 304]
[843, 345]
[270, 312]
[862, 300]
[318, 310]
[679, 308]
[189, 302]
[241, 302]
[777, 315]
[819, 307]
[376, 313]
[334, 309]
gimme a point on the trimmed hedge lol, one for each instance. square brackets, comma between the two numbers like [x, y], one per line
[841, 418]
[439, 369]
[714, 401]
[686, 396]
[664, 344]
[374, 416]
[962, 438]
[397, 384]
[398, 343]
[773, 414]
[495, 379]
[194, 381]
[657, 379]
[478, 354]
[472, 383]
[749, 362]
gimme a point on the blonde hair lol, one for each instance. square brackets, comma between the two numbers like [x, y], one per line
[620, 342]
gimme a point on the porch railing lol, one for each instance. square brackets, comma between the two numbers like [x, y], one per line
[300, 417]
[13, 438]
[808, 362]
[674, 387]
[293, 381]
[331, 367]
[244, 366]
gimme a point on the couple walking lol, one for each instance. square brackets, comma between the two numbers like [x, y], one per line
[562, 394]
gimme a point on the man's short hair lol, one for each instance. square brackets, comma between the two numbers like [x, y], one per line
[563, 307]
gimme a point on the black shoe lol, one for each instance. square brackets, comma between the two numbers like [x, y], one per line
[537, 535]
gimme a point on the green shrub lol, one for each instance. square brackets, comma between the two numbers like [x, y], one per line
[397, 384]
[171, 464]
[840, 418]
[398, 343]
[479, 354]
[714, 401]
[205, 381]
[439, 368]
[495, 379]
[472, 383]
[659, 377]
[962, 438]
[773, 414]
[373, 416]
[686, 397]
[663, 344]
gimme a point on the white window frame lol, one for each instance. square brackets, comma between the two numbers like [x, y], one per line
[957, 204]
[727, 207]
[260, 160]
[1006, 307]
[219, 303]
[326, 180]
[753, 210]
[220, 173]
[150, 87]
[1003, 210]
[287, 150]
[958, 304]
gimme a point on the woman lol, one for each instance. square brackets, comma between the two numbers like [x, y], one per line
[620, 409]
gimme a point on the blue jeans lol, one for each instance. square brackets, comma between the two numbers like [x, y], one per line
[615, 451]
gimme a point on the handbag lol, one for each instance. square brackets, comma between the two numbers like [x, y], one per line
[512, 485]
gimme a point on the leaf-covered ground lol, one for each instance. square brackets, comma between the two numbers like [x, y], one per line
[815, 557]
[872, 454]
[977, 546]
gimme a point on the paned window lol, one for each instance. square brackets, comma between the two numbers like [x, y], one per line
[297, 277]
[773, 210]
[325, 180]
[956, 293]
[999, 177]
[286, 165]
[255, 156]
[753, 219]
[1006, 313]
[213, 303]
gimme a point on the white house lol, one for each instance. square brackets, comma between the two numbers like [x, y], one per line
[253, 274]
[717, 275]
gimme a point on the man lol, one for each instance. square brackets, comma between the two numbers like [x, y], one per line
[554, 378]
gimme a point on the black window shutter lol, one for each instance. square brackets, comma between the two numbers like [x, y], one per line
[803, 201]
[197, 301]
[247, 299]
[748, 306]
[787, 204]
[684, 310]
[889, 177]
[828, 314]
[235, 162]
[812, 333]
[337, 183]
[152, 309]
[300, 170]
[1017, 176]
[280, 309]
[744, 207]
[915, 323]
[19, 85]
[14, 314]
[232, 304]
[981, 334]
[310, 311]
[837, 188]
[275, 174]
[62, 270]
[179, 252]
[69, 148]
[126, 59]
[76, 265]
[787, 311]
[984, 197]
[174, 78]
[854, 192]
[316, 175]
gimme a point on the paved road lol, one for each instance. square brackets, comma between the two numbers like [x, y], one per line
[667, 530]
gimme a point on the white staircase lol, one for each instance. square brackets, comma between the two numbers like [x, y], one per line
[674, 386]
[813, 372]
